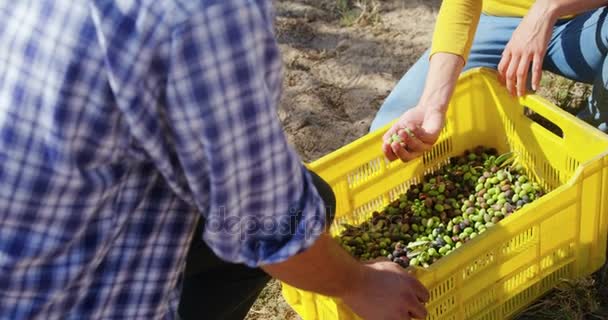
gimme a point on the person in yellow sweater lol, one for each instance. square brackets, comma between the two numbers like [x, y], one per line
[519, 38]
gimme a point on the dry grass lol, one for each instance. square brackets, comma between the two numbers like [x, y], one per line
[566, 94]
[270, 305]
[360, 12]
[570, 300]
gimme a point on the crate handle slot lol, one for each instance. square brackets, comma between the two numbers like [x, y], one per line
[543, 122]
[551, 116]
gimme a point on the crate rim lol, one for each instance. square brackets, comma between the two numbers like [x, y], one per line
[576, 176]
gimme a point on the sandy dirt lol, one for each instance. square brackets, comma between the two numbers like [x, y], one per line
[336, 77]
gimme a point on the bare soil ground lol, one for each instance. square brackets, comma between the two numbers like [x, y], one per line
[341, 60]
[337, 76]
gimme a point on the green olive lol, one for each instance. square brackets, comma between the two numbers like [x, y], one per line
[414, 262]
[449, 207]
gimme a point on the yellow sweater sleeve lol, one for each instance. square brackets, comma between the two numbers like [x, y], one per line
[455, 27]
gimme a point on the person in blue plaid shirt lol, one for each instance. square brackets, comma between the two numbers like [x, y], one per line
[144, 173]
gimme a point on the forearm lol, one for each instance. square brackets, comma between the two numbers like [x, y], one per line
[560, 8]
[324, 268]
[442, 76]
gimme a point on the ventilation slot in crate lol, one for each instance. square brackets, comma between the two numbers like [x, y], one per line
[509, 131]
[402, 188]
[442, 307]
[480, 303]
[572, 164]
[478, 265]
[526, 158]
[555, 258]
[436, 167]
[439, 151]
[338, 225]
[362, 212]
[520, 279]
[556, 277]
[519, 301]
[549, 176]
[441, 289]
[359, 215]
[445, 132]
[520, 242]
[362, 174]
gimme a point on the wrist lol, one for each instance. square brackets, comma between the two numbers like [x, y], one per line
[548, 10]
[436, 99]
[436, 106]
[359, 279]
[356, 283]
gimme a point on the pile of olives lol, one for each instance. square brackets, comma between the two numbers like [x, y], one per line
[453, 205]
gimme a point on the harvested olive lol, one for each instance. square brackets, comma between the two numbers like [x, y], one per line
[450, 207]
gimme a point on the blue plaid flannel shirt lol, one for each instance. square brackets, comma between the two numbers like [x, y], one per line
[122, 123]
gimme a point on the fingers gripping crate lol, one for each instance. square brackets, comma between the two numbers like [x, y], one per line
[562, 235]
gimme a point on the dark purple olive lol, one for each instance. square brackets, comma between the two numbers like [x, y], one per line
[440, 241]
[403, 261]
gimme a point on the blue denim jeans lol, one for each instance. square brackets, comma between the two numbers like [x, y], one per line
[577, 50]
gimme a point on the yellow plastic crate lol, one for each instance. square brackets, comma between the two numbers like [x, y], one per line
[562, 235]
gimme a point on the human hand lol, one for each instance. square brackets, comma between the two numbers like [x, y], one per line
[528, 45]
[388, 292]
[417, 130]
